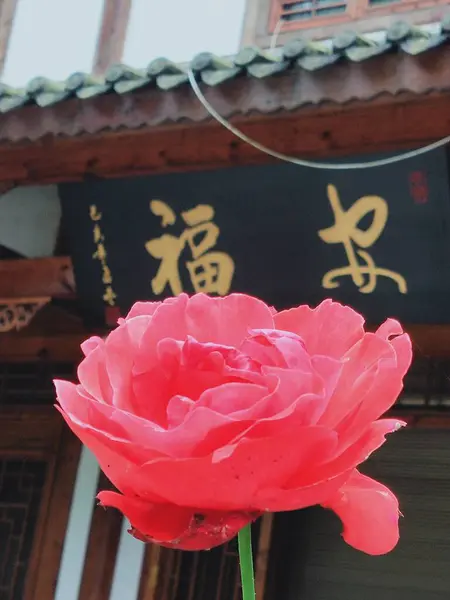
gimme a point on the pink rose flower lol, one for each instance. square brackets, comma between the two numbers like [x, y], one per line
[207, 412]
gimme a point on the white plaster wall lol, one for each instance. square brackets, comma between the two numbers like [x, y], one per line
[52, 38]
[78, 528]
[29, 220]
[180, 29]
[130, 554]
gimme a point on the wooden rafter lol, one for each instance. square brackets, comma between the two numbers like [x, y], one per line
[7, 12]
[111, 41]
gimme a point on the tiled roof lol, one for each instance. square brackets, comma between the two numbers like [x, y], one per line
[164, 75]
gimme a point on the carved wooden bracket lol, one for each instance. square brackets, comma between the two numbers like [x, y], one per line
[17, 313]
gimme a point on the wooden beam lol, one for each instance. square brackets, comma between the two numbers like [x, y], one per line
[40, 277]
[430, 340]
[7, 12]
[62, 348]
[356, 128]
[116, 14]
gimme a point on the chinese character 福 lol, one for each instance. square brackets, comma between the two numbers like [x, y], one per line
[209, 271]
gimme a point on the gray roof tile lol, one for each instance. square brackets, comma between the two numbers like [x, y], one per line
[162, 74]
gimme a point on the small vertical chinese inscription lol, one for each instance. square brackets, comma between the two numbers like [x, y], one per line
[100, 254]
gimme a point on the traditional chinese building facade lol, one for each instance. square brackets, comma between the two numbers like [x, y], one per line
[117, 185]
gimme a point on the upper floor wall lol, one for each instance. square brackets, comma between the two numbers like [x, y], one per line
[54, 38]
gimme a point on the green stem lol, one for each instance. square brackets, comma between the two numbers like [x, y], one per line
[246, 560]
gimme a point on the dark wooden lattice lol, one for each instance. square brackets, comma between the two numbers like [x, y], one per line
[427, 385]
[31, 383]
[209, 575]
[21, 487]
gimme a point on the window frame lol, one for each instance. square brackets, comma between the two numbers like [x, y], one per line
[261, 19]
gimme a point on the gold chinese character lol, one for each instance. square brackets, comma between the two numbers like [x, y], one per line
[361, 266]
[94, 214]
[100, 253]
[107, 277]
[98, 237]
[210, 272]
[109, 296]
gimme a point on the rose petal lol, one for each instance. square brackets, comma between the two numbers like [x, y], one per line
[113, 456]
[226, 320]
[168, 321]
[139, 436]
[381, 393]
[142, 440]
[369, 512]
[364, 367]
[140, 309]
[232, 398]
[91, 344]
[277, 349]
[330, 329]
[120, 348]
[317, 484]
[174, 526]
[389, 328]
[161, 522]
[93, 376]
[288, 386]
[349, 457]
[281, 499]
[235, 475]
[223, 321]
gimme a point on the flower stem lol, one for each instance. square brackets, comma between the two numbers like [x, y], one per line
[246, 561]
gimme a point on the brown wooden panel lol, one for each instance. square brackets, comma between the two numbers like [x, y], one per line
[326, 130]
[101, 552]
[64, 347]
[27, 278]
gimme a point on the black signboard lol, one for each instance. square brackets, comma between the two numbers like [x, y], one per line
[377, 239]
